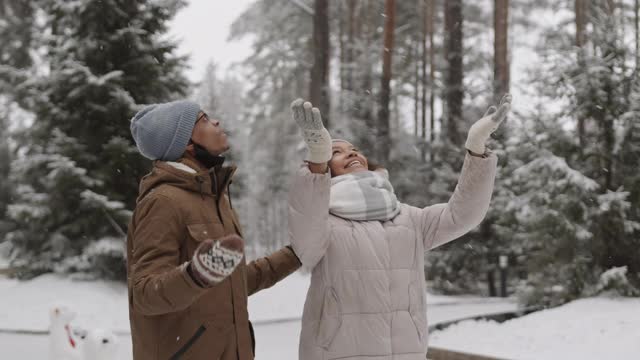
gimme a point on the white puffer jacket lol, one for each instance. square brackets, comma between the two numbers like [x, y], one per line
[367, 294]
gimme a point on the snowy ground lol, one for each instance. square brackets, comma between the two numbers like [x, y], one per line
[586, 329]
[275, 313]
[596, 328]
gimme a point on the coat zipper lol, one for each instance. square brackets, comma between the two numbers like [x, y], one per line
[217, 196]
[200, 181]
[229, 192]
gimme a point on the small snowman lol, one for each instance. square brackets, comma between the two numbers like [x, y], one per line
[100, 344]
[62, 343]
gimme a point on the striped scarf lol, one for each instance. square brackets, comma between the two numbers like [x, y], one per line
[363, 196]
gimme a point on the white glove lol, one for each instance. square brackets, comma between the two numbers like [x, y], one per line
[314, 133]
[482, 129]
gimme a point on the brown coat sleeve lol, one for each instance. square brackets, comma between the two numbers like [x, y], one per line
[263, 273]
[160, 284]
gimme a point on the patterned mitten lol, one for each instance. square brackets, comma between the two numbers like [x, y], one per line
[314, 133]
[214, 260]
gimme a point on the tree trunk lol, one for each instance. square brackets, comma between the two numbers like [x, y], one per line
[608, 154]
[5, 168]
[342, 24]
[365, 29]
[416, 89]
[351, 35]
[580, 8]
[606, 122]
[637, 35]
[423, 58]
[432, 54]
[319, 88]
[491, 283]
[384, 140]
[396, 115]
[454, 92]
[501, 70]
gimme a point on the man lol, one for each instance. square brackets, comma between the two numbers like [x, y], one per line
[187, 277]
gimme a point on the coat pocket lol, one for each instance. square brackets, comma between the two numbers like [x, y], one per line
[204, 231]
[209, 338]
[330, 319]
[189, 343]
[417, 309]
[200, 232]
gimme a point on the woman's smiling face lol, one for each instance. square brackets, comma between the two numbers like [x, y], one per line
[346, 159]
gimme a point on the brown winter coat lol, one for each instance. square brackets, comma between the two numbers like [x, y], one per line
[172, 317]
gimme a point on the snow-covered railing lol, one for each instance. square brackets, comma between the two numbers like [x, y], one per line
[498, 317]
[46, 332]
[443, 354]
[8, 271]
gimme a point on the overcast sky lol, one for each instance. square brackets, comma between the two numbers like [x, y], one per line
[202, 29]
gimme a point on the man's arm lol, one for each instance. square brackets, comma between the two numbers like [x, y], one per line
[263, 273]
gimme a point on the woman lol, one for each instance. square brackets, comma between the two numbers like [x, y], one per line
[366, 249]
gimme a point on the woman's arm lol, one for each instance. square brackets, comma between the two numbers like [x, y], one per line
[467, 206]
[309, 192]
[469, 203]
[309, 215]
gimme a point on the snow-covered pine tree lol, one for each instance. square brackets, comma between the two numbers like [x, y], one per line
[16, 30]
[5, 161]
[79, 168]
[575, 214]
[546, 212]
[627, 150]
[603, 95]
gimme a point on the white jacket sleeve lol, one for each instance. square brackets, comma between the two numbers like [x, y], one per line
[467, 206]
[309, 215]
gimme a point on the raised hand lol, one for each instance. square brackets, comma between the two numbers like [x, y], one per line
[314, 133]
[482, 129]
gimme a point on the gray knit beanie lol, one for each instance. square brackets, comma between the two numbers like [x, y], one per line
[162, 131]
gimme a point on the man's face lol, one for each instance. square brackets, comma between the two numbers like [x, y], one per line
[209, 134]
